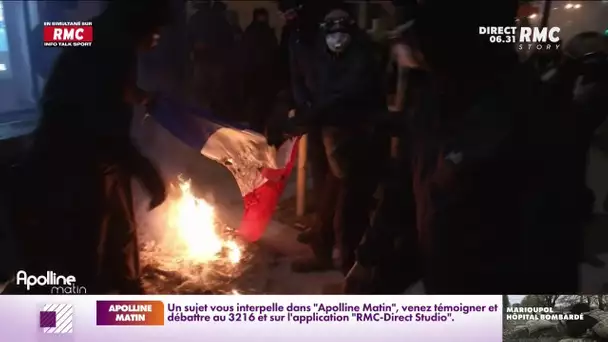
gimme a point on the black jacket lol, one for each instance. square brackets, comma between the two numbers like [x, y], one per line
[350, 87]
[338, 90]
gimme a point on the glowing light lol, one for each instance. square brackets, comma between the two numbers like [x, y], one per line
[533, 16]
[577, 6]
[568, 6]
[193, 243]
[194, 221]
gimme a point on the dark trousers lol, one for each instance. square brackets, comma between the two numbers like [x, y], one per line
[79, 221]
[345, 176]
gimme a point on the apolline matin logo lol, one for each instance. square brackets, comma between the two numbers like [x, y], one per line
[59, 284]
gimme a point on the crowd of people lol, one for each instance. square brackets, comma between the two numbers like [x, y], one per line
[489, 176]
[487, 179]
[234, 71]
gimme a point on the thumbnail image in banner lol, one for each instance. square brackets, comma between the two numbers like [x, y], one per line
[555, 318]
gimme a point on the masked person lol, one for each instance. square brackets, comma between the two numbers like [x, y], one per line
[260, 55]
[75, 216]
[489, 197]
[346, 102]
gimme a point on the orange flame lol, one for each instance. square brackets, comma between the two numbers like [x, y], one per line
[193, 221]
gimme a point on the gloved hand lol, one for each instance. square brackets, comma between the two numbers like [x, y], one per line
[358, 280]
[281, 129]
[275, 132]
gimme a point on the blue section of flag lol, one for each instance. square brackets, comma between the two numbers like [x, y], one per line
[191, 125]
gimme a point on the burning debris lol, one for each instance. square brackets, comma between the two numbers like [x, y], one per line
[196, 253]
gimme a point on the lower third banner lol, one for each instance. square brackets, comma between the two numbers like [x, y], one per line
[251, 318]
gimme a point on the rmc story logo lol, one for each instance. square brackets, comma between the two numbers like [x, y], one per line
[524, 38]
[58, 284]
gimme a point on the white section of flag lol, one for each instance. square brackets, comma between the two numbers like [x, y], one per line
[245, 154]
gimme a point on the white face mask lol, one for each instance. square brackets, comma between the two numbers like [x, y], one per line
[337, 41]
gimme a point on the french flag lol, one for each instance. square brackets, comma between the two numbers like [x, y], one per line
[261, 171]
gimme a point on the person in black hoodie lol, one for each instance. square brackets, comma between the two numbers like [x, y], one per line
[490, 190]
[299, 41]
[260, 54]
[75, 216]
[343, 107]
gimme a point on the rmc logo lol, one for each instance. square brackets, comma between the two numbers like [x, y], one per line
[68, 34]
[539, 38]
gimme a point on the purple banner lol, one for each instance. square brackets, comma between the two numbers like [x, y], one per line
[251, 318]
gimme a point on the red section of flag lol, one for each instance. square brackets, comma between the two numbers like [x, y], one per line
[68, 34]
[261, 203]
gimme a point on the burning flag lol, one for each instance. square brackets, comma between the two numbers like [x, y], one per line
[260, 170]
